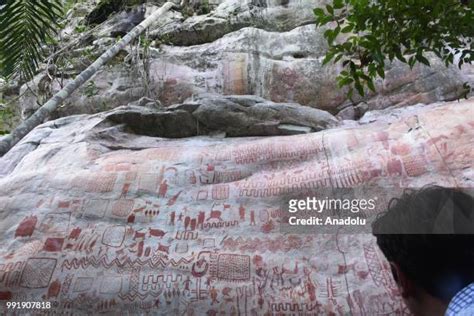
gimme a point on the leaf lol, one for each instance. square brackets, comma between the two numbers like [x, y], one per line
[331, 35]
[365, 77]
[347, 29]
[336, 31]
[344, 82]
[399, 56]
[467, 89]
[381, 72]
[359, 88]
[411, 62]
[339, 56]
[370, 84]
[328, 58]
[338, 4]
[318, 12]
[25, 26]
[325, 20]
[352, 66]
[422, 59]
[330, 9]
[350, 93]
[327, 33]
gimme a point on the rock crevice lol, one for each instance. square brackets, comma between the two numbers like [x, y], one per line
[236, 116]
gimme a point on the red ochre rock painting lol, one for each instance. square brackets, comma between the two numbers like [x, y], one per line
[196, 229]
[26, 227]
[53, 244]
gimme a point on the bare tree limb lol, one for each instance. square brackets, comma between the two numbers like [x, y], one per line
[7, 142]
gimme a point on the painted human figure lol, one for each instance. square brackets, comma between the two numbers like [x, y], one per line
[140, 248]
[191, 177]
[125, 189]
[201, 218]
[187, 220]
[242, 212]
[187, 282]
[193, 224]
[252, 218]
[311, 288]
[213, 293]
[172, 218]
[163, 189]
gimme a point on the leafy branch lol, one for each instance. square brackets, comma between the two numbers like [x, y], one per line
[364, 34]
[25, 27]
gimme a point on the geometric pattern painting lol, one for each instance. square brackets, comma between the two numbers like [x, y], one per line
[193, 226]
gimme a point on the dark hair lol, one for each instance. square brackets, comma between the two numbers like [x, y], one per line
[429, 233]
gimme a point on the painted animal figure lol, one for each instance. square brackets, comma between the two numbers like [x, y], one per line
[156, 232]
[163, 248]
[139, 235]
[215, 215]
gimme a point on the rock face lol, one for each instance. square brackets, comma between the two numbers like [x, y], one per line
[287, 67]
[227, 16]
[147, 208]
[95, 218]
[266, 48]
[232, 115]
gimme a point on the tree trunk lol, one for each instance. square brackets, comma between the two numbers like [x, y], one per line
[7, 142]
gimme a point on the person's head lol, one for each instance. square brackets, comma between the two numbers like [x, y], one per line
[427, 236]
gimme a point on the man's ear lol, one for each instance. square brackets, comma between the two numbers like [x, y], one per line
[405, 284]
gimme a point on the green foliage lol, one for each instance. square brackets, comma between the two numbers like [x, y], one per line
[204, 7]
[25, 26]
[364, 34]
[7, 116]
[145, 42]
[198, 8]
[81, 28]
[68, 5]
[91, 89]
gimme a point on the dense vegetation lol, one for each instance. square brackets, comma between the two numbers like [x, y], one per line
[364, 34]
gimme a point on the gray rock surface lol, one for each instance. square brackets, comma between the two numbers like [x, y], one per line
[242, 117]
[99, 220]
[287, 67]
[232, 15]
[264, 48]
[107, 212]
[232, 115]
